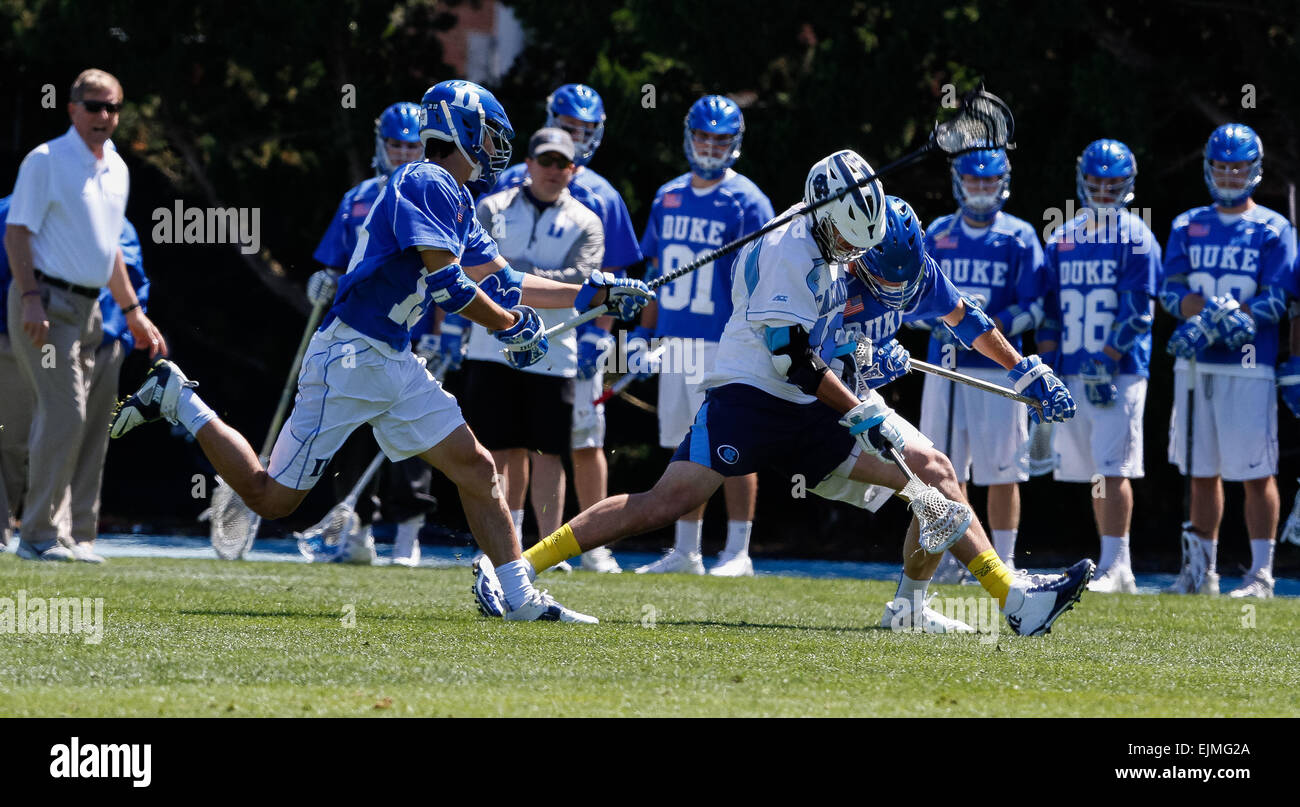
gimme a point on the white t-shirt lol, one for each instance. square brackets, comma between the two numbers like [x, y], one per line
[781, 279]
[75, 206]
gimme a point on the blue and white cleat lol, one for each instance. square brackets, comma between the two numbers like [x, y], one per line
[542, 607]
[1034, 602]
[156, 399]
[487, 589]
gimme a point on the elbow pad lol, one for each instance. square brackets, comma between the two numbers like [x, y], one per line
[1268, 306]
[972, 326]
[1172, 291]
[1131, 320]
[794, 357]
[1020, 318]
[451, 288]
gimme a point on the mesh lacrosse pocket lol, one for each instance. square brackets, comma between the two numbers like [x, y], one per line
[231, 523]
[983, 122]
[942, 521]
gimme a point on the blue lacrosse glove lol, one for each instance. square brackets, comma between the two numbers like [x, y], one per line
[1232, 325]
[1288, 383]
[453, 342]
[889, 361]
[594, 343]
[626, 296]
[875, 426]
[638, 351]
[1037, 380]
[525, 341]
[1098, 376]
[322, 286]
[504, 286]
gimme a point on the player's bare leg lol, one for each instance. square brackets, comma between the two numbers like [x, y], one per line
[236, 462]
[1262, 506]
[742, 500]
[1207, 506]
[590, 475]
[1004, 519]
[470, 468]
[547, 489]
[512, 477]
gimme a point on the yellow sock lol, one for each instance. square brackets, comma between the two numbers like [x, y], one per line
[559, 545]
[993, 575]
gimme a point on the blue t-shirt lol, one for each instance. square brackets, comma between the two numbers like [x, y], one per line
[1087, 269]
[1236, 258]
[114, 321]
[1003, 265]
[863, 313]
[335, 249]
[600, 197]
[384, 293]
[683, 226]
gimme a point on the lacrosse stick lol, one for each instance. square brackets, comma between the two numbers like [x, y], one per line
[328, 537]
[232, 524]
[1042, 458]
[983, 121]
[627, 379]
[953, 375]
[1291, 531]
[942, 521]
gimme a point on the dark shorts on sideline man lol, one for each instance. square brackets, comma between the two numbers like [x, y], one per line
[740, 429]
[508, 408]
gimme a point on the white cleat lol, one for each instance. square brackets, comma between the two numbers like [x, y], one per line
[563, 566]
[359, 549]
[406, 553]
[1259, 584]
[737, 565]
[84, 551]
[1118, 579]
[675, 562]
[54, 552]
[542, 607]
[950, 571]
[1032, 606]
[156, 399]
[600, 560]
[900, 615]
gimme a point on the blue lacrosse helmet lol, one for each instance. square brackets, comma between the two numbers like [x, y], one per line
[892, 268]
[714, 114]
[581, 102]
[1230, 143]
[463, 113]
[399, 122]
[982, 163]
[1105, 159]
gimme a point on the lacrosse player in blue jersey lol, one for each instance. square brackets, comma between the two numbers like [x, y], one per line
[898, 282]
[421, 245]
[403, 486]
[1103, 269]
[1229, 269]
[692, 215]
[773, 401]
[579, 110]
[994, 259]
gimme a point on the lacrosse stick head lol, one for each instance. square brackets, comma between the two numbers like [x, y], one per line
[326, 541]
[1291, 532]
[983, 121]
[232, 524]
[942, 521]
[1042, 457]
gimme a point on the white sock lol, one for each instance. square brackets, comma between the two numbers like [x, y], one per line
[408, 537]
[515, 584]
[192, 412]
[911, 590]
[1261, 555]
[689, 534]
[517, 516]
[1004, 543]
[1211, 548]
[738, 537]
[1111, 549]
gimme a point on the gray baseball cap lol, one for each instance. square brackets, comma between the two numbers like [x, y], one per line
[551, 139]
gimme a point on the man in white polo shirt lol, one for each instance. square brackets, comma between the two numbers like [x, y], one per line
[62, 238]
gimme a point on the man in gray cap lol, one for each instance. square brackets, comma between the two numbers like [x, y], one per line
[542, 230]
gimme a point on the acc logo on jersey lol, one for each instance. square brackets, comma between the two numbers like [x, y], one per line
[728, 454]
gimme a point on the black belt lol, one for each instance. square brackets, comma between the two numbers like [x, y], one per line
[84, 291]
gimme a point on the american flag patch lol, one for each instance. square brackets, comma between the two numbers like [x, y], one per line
[854, 306]
[360, 209]
[946, 242]
[1064, 246]
[1198, 230]
[672, 200]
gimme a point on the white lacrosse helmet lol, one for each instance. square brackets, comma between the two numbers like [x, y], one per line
[853, 224]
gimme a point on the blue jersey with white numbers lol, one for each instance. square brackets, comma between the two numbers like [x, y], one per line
[600, 197]
[684, 225]
[1235, 257]
[384, 293]
[865, 314]
[335, 249]
[1002, 265]
[1087, 269]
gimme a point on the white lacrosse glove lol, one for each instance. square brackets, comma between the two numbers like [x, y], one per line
[322, 286]
[875, 426]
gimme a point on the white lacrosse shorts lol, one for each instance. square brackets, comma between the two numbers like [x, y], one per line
[990, 434]
[347, 382]
[840, 487]
[588, 418]
[1235, 434]
[683, 366]
[1106, 441]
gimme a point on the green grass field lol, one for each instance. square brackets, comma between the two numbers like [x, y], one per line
[187, 637]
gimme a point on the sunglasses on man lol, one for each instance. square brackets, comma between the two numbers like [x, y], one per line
[95, 107]
[552, 160]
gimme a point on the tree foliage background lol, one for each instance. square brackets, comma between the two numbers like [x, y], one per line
[240, 104]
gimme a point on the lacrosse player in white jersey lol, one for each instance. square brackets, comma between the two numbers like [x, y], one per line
[1230, 268]
[359, 367]
[772, 401]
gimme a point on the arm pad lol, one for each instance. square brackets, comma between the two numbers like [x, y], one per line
[504, 286]
[1019, 318]
[972, 326]
[1131, 320]
[1267, 306]
[1172, 291]
[794, 357]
